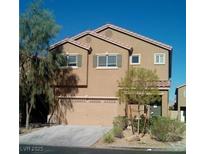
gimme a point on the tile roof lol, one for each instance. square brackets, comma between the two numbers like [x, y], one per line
[160, 84]
[103, 37]
[71, 41]
[163, 83]
[80, 35]
[136, 35]
[95, 33]
[118, 43]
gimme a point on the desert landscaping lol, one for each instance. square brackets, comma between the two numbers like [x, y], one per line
[126, 139]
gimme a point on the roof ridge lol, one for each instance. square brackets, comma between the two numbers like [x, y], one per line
[134, 34]
[58, 43]
[80, 34]
[79, 43]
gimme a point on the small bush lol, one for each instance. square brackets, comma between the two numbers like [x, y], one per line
[121, 122]
[108, 138]
[166, 130]
[117, 132]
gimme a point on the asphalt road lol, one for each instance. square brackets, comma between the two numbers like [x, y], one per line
[38, 149]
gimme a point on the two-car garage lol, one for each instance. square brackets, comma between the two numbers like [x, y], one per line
[83, 111]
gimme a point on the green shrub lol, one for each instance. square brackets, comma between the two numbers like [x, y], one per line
[117, 132]
[166, 130]
[108, 138]
[121, 122]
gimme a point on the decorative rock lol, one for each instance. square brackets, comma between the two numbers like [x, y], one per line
[142, 135]
[137, 138]
[129, 127]
[133, 138]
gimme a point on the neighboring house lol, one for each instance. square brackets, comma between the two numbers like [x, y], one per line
[181, 102]
[100, 58]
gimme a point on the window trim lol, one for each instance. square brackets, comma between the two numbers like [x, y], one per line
[71, 54]
[106, 67]
[76, 61]
[164, 57]
[139, 55]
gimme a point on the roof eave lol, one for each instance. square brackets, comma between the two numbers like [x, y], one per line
[89, 49]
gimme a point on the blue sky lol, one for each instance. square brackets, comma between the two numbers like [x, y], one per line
[162, 20]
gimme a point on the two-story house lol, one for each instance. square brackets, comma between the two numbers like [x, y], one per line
[100, 58]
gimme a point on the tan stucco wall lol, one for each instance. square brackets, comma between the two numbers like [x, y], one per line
[80, 72]
[87, 112]
[146, 50]
[173, 114]
[103, 82]
[165, 102]
[97, 111]
[181, 99]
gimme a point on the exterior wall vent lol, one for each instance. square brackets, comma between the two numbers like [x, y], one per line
[108, 33]
[88, 39]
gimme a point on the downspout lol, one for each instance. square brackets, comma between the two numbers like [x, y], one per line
[89, 52]
[129, 54]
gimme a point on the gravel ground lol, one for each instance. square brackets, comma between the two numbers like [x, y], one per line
[146, 142]
[65, 135]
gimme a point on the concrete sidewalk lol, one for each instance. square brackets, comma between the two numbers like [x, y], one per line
[65, 135]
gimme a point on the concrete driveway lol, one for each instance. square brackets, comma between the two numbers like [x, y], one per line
[65, 135]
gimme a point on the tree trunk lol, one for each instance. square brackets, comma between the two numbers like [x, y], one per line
[28, 112]
[131, 120]
[138, 125]
[27, 121]
[145, 120]
[138, 120]
[126, 109]
[27, 117]
[52, 113]
[55, 104]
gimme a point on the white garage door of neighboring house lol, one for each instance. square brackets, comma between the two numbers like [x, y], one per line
[90, 112]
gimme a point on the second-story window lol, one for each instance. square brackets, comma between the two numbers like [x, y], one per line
[159, 58]
[112, 61]
[107, 61]
[101, 61]
[135, 59]
[72, 60]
